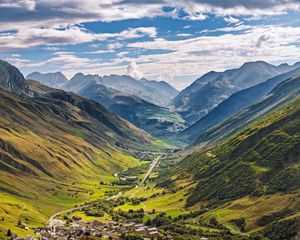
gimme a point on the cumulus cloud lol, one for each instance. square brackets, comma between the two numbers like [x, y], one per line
[27, 37]
[200, 54]
[49, 13]
[132, 71]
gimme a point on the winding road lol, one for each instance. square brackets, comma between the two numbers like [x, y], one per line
[152, 166]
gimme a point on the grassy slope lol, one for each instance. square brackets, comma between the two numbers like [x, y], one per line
[254, 173]
[54, 153]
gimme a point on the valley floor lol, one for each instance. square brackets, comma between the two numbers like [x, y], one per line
[138, 201]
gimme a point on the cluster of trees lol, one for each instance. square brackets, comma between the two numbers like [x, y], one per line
[136, 216]
[93, 211]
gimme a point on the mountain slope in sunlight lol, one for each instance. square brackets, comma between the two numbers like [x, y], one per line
[55, 147]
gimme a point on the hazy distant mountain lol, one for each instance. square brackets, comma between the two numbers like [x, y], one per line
[159, 93]
[211, 89]
[234, 104]
[12, 79]
[282, 93]
[143, 114]
[54, 80]
[79, 81]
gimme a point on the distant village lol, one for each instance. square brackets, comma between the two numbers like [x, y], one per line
[79, 228]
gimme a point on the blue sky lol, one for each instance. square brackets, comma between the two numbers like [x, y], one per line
[175, 41]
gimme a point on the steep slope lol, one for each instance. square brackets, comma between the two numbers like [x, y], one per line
[54, 80]
[12, 79]
[55, 148]
[234, 104]
[158, 93]
[156, 120]
[278, 96]
[210, 90]
[251, 181]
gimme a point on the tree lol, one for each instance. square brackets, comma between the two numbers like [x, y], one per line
[19, 223]
[213, 221]
[9, 233]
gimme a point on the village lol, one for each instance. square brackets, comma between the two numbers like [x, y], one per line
[79, 228]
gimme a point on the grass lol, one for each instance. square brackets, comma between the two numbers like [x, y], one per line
[252, 209]
[105, 219]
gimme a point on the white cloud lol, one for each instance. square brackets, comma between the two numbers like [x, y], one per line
[133, 71]
[100, 52]
[24, 4]
[198, 55]
[27, 37]
[184, 35]
[231, 19]
[137, 33]
[116, 45]
[16, 14]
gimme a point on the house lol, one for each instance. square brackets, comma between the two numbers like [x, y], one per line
[98, 225]
[153, 234]
[76, 219]
[141, 231]
[152, 229]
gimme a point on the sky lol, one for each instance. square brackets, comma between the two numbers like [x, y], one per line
[172, 40]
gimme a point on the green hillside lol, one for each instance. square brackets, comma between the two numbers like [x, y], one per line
[262, 158]
[253, 176]
[55, 148]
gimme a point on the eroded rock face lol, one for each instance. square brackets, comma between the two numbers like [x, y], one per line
[12, 79]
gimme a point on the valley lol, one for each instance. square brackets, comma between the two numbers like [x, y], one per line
[82, 159]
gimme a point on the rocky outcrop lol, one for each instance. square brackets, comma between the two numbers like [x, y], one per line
[12, 79]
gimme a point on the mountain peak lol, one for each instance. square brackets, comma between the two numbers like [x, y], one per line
[12, 79]
[52, 79]
[255, 63]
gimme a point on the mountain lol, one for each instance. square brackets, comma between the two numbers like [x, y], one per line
[253, 161]
[54, 80]
[234, 104]
[79, 81]
[158, 93]
[12, 79]
[213, 88]
[249, 182]
[282, 93]
[154, 119]
[55, 148]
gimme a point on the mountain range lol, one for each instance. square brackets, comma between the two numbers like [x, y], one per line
[282, 93]
[234, 104]
[159, 93]
[157, 120]
[129, 98]
[211, 89]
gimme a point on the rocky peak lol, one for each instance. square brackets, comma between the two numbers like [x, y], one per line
[12, 79]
